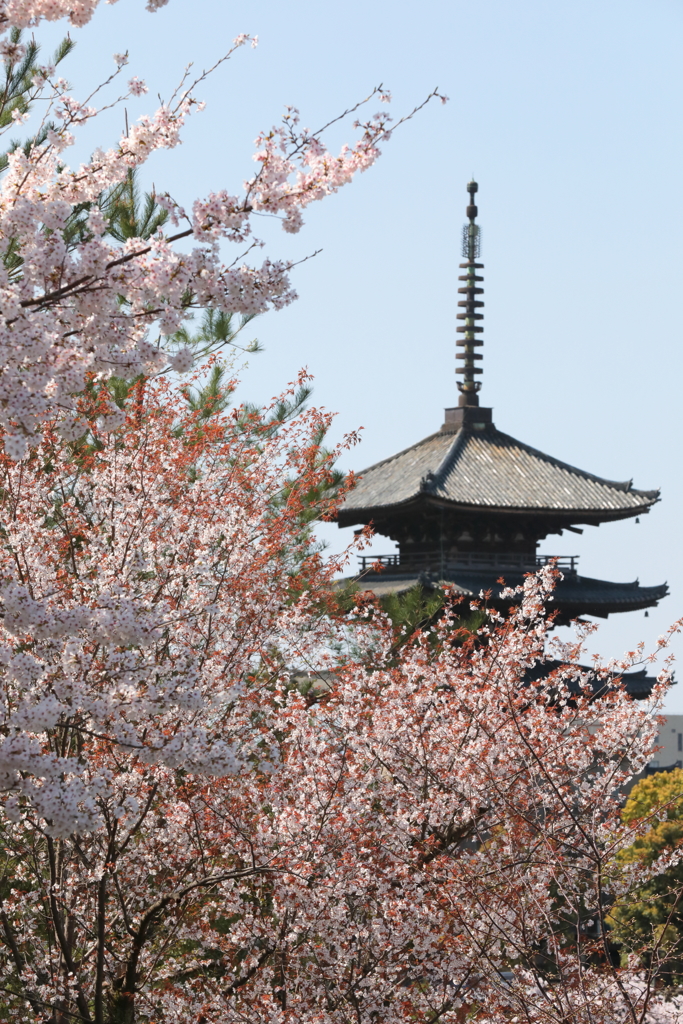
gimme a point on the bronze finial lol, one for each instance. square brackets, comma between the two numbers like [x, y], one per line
[471, 247]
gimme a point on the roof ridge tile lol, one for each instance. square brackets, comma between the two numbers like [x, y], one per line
[626, 486]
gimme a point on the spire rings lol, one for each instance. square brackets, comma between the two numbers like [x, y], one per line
[470, 305]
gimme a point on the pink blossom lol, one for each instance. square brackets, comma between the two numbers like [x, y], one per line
[137, 87]
[182, 361]
[63, 307]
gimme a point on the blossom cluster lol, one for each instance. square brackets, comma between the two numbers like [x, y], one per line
[23, 13]
[133, 602]
[72, 305]
[432, 831]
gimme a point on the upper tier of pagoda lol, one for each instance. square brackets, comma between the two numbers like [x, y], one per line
[470, 504]
[472, 467]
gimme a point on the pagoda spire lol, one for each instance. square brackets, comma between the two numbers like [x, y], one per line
[470, 330]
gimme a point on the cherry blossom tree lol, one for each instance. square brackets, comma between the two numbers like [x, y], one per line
[155, 582]
[423, 834]
[74, 299]
[113, 547]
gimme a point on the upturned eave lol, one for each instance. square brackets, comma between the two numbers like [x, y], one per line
[488, 473]
[419, 502]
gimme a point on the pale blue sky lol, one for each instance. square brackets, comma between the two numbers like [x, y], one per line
[569, 114]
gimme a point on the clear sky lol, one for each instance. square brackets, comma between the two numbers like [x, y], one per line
[570, 117]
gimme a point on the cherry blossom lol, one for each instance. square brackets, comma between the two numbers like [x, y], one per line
[428, 833]
[137, 87]
[148, 559]
[96, 306]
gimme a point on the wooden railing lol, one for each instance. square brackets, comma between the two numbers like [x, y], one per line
[432, 561]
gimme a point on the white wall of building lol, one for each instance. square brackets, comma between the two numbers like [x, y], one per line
[670, 739]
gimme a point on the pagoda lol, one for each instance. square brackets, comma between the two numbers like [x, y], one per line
[469, 505]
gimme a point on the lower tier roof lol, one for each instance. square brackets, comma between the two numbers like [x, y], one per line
[573, 596]
[638, 684]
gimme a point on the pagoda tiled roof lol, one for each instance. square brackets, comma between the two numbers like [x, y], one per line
[637, 684]
[489, 470]
[573, 596]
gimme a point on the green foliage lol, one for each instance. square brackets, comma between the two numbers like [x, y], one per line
[127, 214]
[216, 331]
[420, 608]
[285, 410]
[17, 88]
[316, 499]
[213, 397]
[651, 923]
[18, 84]
[417, 609]
[17, 91]
[120, 388]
